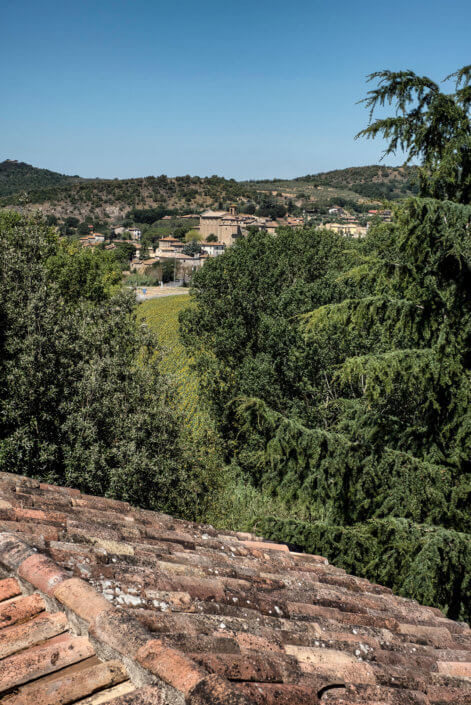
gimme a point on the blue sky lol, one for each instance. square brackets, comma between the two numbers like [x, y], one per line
[123, 88]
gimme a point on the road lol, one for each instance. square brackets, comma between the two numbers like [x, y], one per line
[156, 292]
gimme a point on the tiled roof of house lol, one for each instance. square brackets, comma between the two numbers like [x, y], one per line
[142, 608]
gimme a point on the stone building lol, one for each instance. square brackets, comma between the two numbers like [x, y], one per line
[227, 226]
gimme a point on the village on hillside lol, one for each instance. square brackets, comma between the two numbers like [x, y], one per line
[218, 230]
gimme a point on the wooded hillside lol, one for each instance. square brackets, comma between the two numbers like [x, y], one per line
[28, 187]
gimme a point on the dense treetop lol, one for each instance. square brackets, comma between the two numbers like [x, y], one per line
[17, 177]
[83, 401]
[339, 371]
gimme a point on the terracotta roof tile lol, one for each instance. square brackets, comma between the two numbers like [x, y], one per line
[41, 662]
[42, 572]
[20, 608]
[9, 588]
[199, 616]
[21, 636]
[50, 656]
[72, 685]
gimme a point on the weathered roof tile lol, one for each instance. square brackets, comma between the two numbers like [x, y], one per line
[211, 617]
[42, 573]
[9, 588]
[80, 597]
[170, 665]
[52, 655]
[71, 686]
[40, 628]
[20, 608]
[41, 663]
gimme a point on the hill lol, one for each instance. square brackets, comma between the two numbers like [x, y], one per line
[17, 176]
[371, 181]
[111, 199]
[355, 183]
[111, 202]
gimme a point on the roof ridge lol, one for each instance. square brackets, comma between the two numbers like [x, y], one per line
[113, 632]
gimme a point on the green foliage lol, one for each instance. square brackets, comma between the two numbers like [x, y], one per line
[389, 190]
[269, 208]
[169, 267]
[124, 253]
[152, 276]
[83, 401]
[192, 236]
[83, 273]
[161, 315]
[143, 200]
[430, 125]
[339, 376]
[243, 332]
[192, 248]
[373, 182]
[147, 215]
[374, 466]
[18, 177]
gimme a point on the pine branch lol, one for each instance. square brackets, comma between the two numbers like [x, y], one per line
[462, 76]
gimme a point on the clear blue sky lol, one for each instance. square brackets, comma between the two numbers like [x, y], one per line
[122, 88]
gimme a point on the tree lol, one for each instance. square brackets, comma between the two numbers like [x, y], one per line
[169, 270]
[72, 222]
[146, 215]
[82, 400]
[181, 231]
[192, 236]
[359, 425]
[243, 330]
[124, 253]
[386, 469]
[431, 126]
[83, 273]
[83, 229]
[211, 238]
[192, 248]
[269, 208]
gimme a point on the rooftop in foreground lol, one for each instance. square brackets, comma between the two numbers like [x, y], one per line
[101, 602]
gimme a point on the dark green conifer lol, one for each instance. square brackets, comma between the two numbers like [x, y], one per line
[375, 458]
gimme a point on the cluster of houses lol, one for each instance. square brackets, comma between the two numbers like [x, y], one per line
[348, 224]
[92, 240]
[227, 226]
[222, 228]
[219, 230]
[95, 239]
[170, 248]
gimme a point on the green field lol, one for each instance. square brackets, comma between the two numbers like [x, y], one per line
[162, 317]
